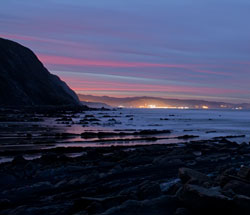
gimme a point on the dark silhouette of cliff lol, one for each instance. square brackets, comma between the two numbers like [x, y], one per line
[24, 81]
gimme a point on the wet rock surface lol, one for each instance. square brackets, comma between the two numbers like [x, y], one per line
[192, 176]
[130, 180]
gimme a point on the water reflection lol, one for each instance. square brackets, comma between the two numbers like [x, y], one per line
[65, 131]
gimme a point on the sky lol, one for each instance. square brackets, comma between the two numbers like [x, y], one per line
[186, 49]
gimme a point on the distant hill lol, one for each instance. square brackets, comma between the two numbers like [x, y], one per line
[24, 81]
[151, 102]
[95, 104]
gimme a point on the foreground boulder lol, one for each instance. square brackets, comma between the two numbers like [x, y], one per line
[228, 193]
[191, 176]
[204, 200]
[24, 81]
[160, 206]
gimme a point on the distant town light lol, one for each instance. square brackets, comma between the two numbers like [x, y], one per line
[238, 108]
[163, 107]
[152, 106]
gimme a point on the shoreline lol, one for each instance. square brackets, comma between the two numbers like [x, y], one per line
[106, 180]
[189, 177]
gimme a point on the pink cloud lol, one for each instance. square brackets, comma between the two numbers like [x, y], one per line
[69, 61]
[100, 85]
[50, 59]
[46, 40]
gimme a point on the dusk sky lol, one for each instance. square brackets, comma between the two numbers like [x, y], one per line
[197, 49]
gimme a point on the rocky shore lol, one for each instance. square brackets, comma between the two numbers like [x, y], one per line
[56, 169]
[198, 177]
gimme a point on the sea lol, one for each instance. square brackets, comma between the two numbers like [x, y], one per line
[202, 124]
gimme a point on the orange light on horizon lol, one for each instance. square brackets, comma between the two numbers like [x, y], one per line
[163, 107]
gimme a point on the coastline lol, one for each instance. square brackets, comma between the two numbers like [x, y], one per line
[118, 180]
[190, 176]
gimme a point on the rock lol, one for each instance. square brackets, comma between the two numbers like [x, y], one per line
[170, 185]
[204, 200]
[197, 153]
[127, 180]
[81, 213]
[30, 169]
[191, 176]
[228, 143]
[34, 188]
[40, 209]
[92, 205]
[28, 135]
[95, 208]
[242, 204]
[176, 162]
[113, 201]
[238, 187]
[161, 206]
[106, 164]
[7, 179]
[186, 137]
[4, 203]
[61, 184]
[244, 172]
[116, 170]
[182, 211]
[214, 158]
[149, 190]
[18, 160]
[136, 160]
[128, 207]
[48, 158]
[191, 163]
[224, 178]
[167, 161]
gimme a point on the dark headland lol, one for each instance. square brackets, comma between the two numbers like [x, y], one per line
[192, 177]
[24, 81]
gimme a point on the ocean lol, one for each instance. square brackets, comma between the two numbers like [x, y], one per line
[197, 124]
